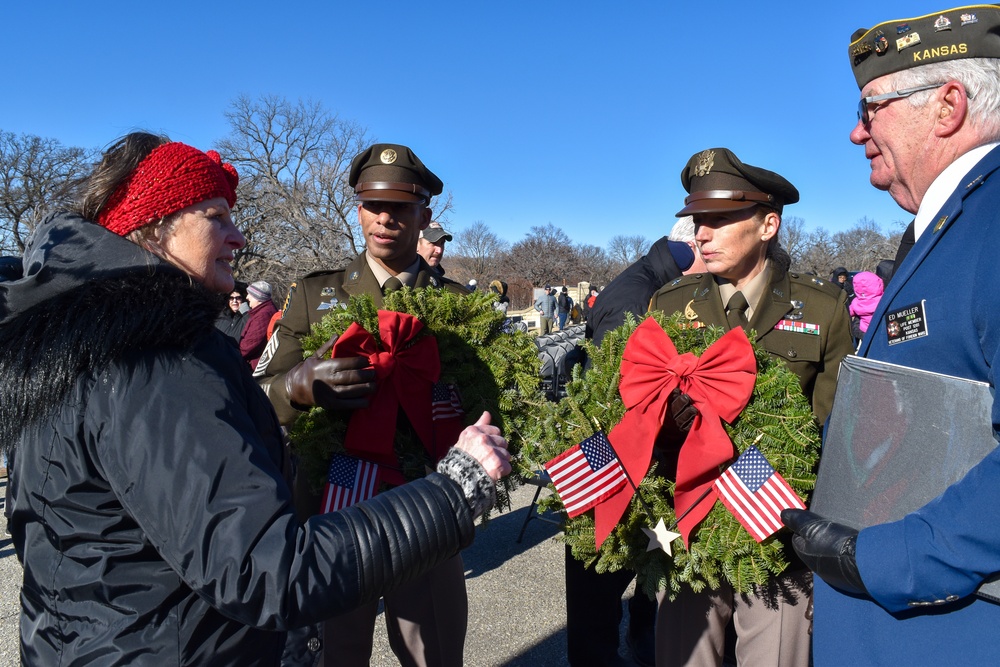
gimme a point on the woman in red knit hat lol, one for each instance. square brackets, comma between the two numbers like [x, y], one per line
[151, 509]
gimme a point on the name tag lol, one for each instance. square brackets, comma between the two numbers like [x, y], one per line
[907, 323]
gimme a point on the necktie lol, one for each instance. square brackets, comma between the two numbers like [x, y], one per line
[736, 311]
[905, 244]
[391, 285]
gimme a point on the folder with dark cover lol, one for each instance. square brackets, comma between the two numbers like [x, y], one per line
[896, 439]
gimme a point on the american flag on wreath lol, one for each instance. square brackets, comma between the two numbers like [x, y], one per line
[445, 402]
[586, 474]
[755, 494]
[349, 481]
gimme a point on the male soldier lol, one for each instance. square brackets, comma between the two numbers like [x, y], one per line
[801, 320]
[426, 619]
[430, 245]
[903, 592]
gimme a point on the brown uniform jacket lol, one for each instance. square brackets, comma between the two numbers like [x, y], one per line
[789, 300]
[309, 300]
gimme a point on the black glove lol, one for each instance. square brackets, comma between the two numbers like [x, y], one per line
[827, 548]
[334, 384]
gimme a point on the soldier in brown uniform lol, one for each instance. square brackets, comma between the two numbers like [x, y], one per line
[426, 619]
[800, 319]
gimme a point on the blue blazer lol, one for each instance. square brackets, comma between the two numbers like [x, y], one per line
[923, 570]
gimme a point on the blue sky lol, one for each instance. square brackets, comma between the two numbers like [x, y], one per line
[577, 114]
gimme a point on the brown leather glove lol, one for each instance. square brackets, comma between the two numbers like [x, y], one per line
[682, 410]
[677, 421]
[333, 384]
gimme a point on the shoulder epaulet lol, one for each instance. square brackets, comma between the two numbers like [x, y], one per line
[324, 272]
[816, 283]
[680, 281]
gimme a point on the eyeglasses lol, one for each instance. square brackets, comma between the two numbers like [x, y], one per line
[235, 298]
[866, 118]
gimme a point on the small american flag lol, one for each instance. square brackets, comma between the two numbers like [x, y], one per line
[445, 402]
[755, 494]
[586, 474]
[350, 481]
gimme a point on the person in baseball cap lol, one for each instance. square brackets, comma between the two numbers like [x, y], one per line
[430, 245]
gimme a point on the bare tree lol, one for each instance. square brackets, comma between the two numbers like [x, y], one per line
[819, 256]
[793, 236]
[598, 268]
[476, 253]
[545, 255]
[625, 250]
[36, 175]
[295, 205]
[863, 246]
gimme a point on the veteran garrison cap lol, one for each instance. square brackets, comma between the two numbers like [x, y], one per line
[391, 172]
[718, 181]
[964, 32]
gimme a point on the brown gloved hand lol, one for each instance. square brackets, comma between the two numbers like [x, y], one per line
[333, 384]
[682, 410]
[677, 421]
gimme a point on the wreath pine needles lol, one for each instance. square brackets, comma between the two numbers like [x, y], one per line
[494, 369]
[777, 419]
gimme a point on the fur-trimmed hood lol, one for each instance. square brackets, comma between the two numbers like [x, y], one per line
[88, 298]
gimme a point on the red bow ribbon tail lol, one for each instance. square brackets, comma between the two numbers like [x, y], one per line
[417, 368]
[404, 372]
[720, 387]
[645, 385]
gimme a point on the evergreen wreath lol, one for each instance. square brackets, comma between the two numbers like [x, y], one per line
[777, 419]
[494, 369]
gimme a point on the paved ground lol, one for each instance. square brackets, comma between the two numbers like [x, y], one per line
[516, 606]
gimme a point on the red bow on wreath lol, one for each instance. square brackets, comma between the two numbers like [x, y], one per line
[719, 382]
[406, 367]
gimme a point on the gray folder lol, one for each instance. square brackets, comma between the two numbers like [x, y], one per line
[896, 439]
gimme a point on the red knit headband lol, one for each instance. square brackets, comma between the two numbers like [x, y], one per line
[172, 177]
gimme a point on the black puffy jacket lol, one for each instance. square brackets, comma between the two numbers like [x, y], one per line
[151, 515]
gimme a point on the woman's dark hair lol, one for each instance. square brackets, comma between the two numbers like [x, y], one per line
[117, 162]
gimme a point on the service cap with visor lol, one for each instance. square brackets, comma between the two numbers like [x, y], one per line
[718, 181]
[392, 173]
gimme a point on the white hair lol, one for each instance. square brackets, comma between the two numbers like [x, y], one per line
[979, 76]
[683, 230]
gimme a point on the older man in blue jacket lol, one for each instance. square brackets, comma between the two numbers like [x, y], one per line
[903, 593]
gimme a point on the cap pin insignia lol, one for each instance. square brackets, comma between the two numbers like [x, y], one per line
[881, 43]
[706, 160]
